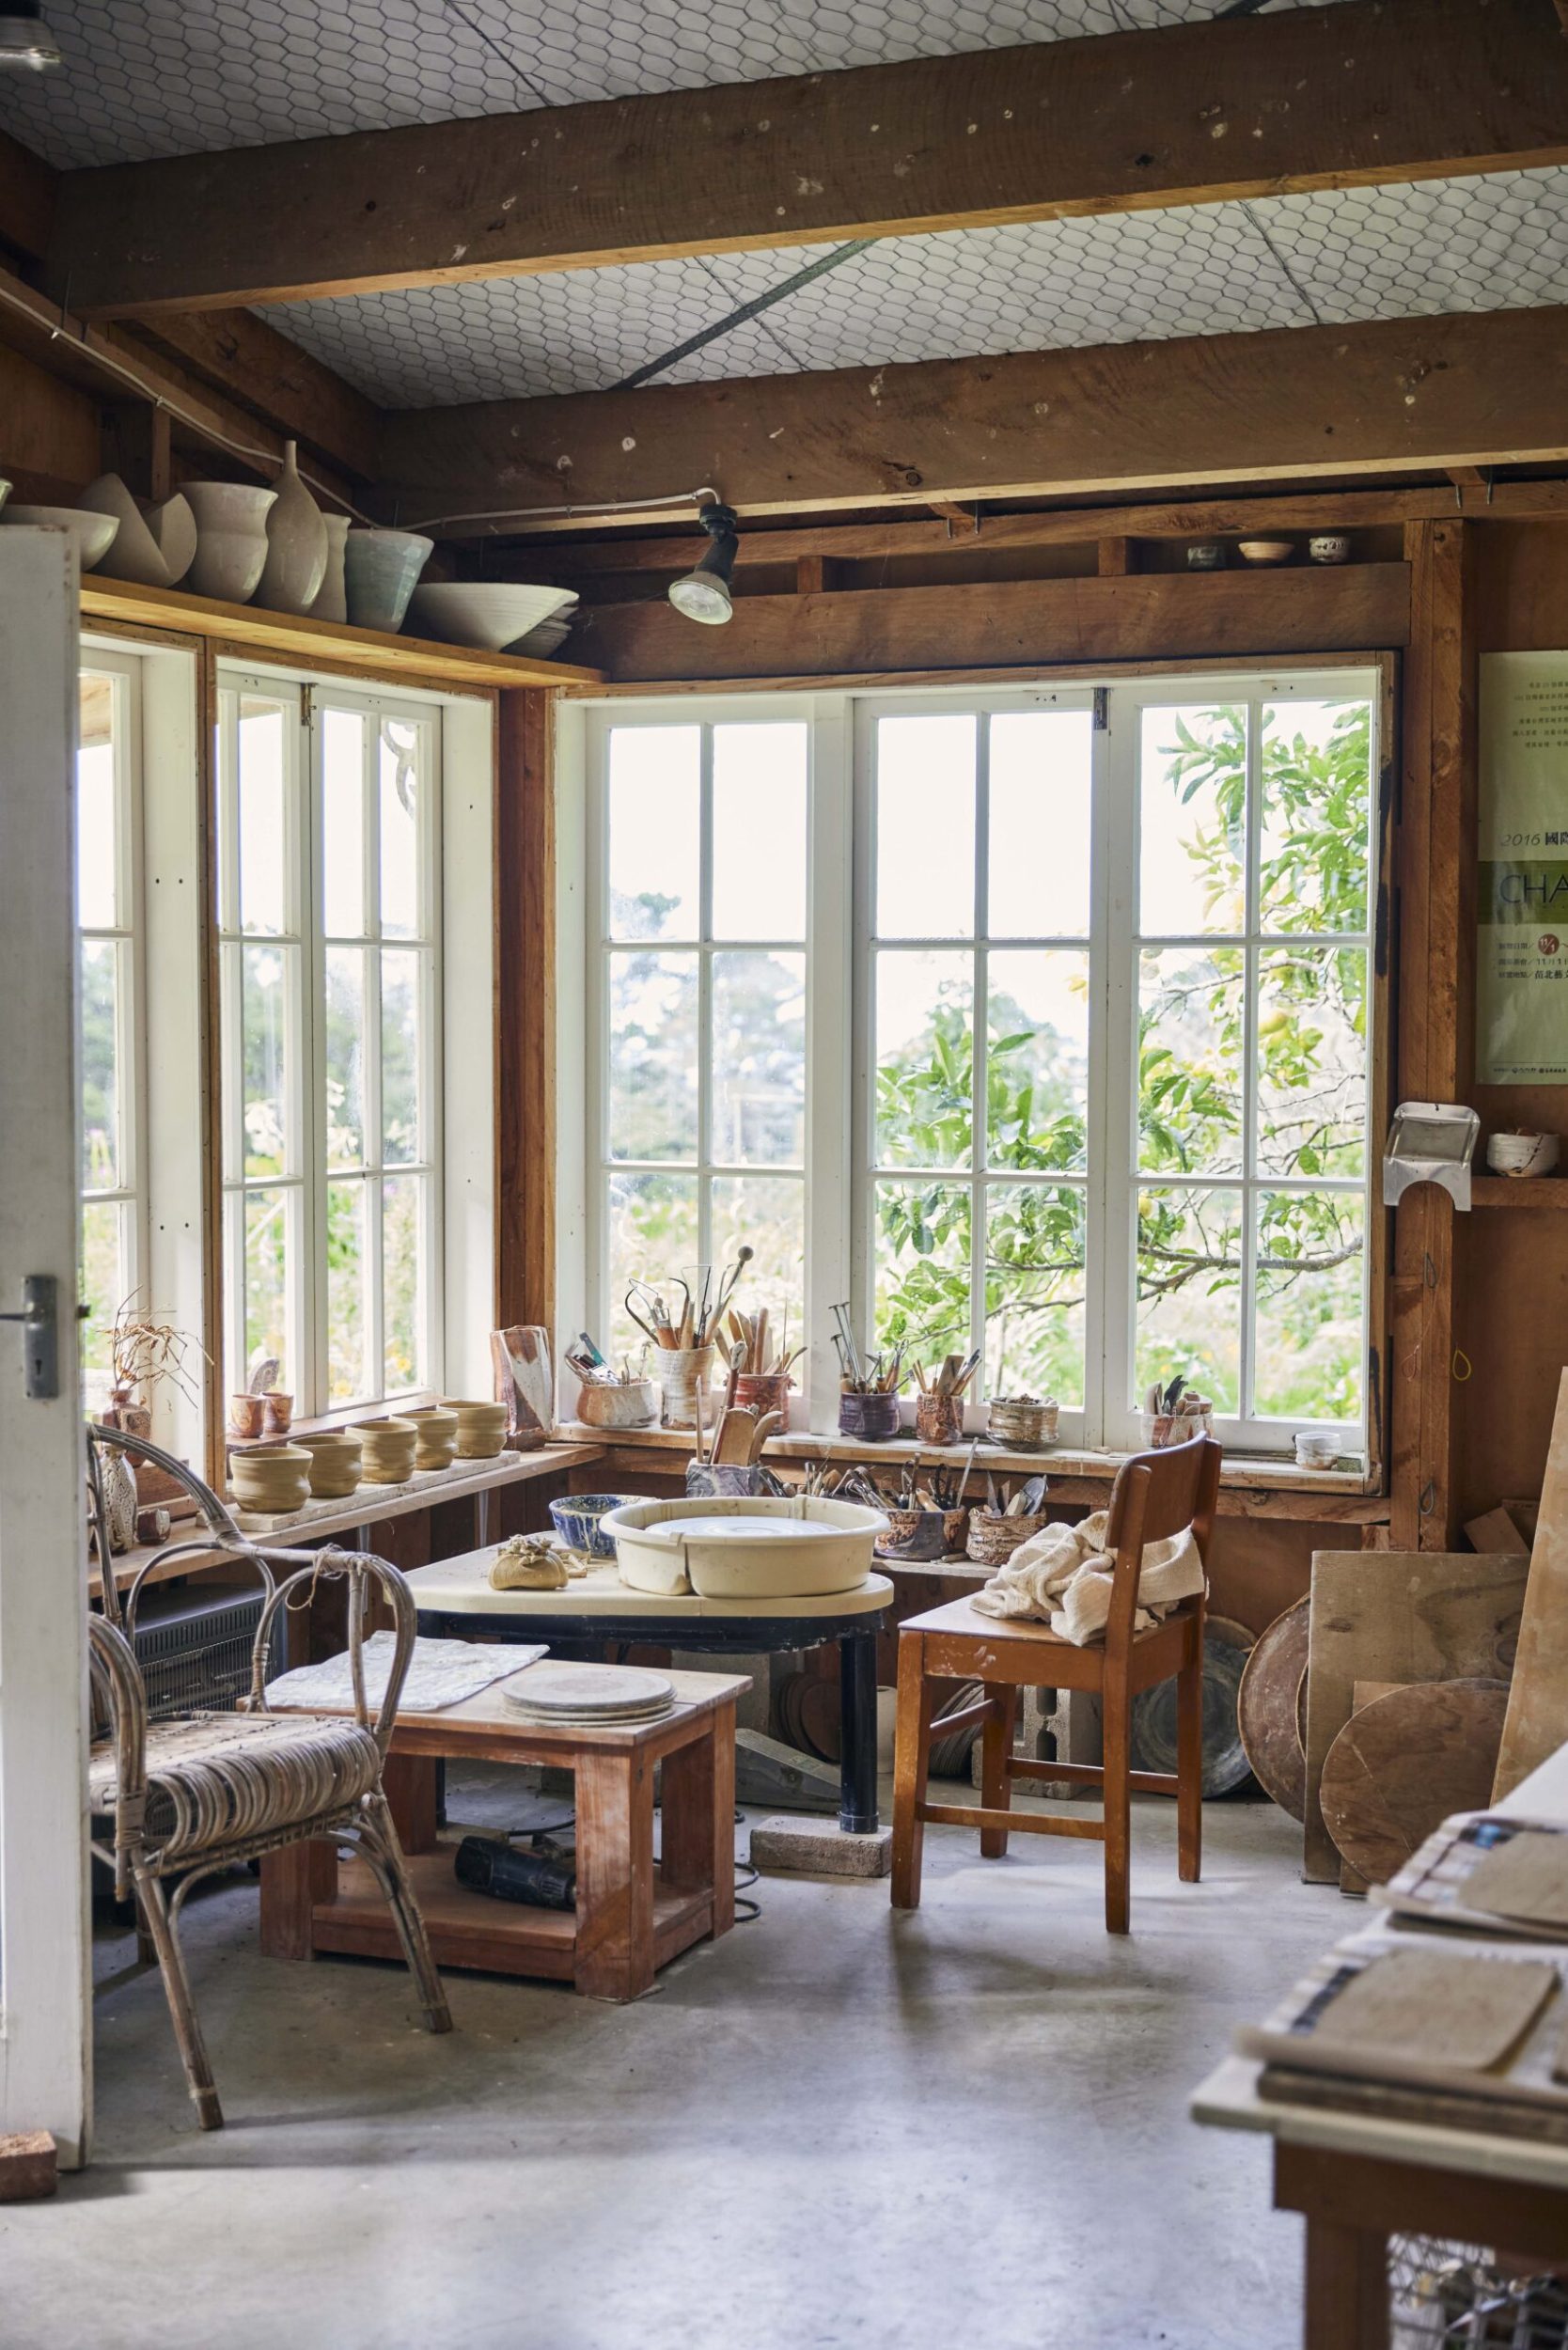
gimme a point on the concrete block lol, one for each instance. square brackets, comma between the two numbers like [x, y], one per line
[813, 1848]
[28, 2167]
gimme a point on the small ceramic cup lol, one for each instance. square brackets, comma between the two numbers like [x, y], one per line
[247, 1415]
[1207, 555]
[1328, 546]
[280, 1414]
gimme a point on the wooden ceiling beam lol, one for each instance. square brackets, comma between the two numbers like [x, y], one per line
[251, 363]
[1364, 92]
[1292, 404]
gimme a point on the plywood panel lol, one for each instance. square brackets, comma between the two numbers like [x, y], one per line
[1538, 1702]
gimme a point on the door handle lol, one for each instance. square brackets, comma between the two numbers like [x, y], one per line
[41, 1335]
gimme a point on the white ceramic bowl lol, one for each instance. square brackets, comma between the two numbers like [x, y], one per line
[94, 534]
[541, 643]
[484, 613]
[1267, 551]
[779, 1549]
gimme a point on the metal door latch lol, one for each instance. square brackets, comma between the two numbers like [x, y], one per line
[41, 1335]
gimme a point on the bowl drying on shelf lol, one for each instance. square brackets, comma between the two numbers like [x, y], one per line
[94, 534]
[486, 614]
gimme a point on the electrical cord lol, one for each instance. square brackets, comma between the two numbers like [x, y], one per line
[746, 1910]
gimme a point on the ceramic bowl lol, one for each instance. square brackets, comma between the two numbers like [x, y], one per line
[94, 534]
[389, 1447]
[336, 1461]
[437, 1429]
[481, 1430]
[379, 569]
[1328, 546]
[577, 1521]
[486, 614]
[1207, 555]
[543, 642]
[274, 1478]
[1267, 551]
[231, 539]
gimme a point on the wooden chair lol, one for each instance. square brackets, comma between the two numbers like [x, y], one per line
[1156, 1495]
[182, 1799]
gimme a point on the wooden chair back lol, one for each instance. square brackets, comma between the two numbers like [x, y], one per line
[1157, 1494]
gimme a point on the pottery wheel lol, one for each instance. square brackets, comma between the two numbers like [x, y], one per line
[1403, 1762]
[582, 1694]
[1268, 1709]
[719, 1527]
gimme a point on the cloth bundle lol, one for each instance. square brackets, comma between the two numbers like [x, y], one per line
[1062, 1577]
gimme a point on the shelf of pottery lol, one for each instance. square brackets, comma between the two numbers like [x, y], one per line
[275, 548]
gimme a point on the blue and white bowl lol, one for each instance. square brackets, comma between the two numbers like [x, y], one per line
[577, 1521]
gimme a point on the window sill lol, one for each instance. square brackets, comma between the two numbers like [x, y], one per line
[1351, 1492]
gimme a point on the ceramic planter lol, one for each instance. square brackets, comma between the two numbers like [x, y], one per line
[388, 1447]
[337, 1463]
[231, 539]
[331, 601]
[381, 570]
[274, 1478]
[296, 543]
[481, 1429]
[437, 1429]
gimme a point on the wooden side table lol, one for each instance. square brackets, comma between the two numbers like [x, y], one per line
[634, 1914]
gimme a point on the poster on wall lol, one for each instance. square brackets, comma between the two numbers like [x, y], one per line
[1522, 899]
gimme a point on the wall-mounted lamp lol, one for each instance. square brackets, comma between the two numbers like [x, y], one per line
[703, 594]
[25, 40]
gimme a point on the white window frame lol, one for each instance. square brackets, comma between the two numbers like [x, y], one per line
[307, 1312]
[840, 944]
[128, 936]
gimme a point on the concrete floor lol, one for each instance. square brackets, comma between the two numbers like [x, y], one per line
[836, 2128]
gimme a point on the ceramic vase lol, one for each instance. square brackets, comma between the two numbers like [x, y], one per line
[296, 543]
[331, 601]
[231, 539]
[382, 569]
[134, 553]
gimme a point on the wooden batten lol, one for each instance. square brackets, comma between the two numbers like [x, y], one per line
[1286, 404]
[1190, 114]
[1034, 623]
[526, 1010]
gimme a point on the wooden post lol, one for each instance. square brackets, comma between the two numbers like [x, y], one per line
[136, 443]
[1435, 1024]
[525, 1010]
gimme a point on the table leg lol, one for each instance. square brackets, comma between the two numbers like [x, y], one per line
[412, 1783]
[697, 1811]
[481, 1520]
[614, 1957]
[1347, 2288]
[858, 1732]
[292, 1882]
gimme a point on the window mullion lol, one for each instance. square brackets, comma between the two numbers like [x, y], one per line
[1252, 971]
[372, 1227]
[979, 1041]
[1111, 1242]
[705, 1001]
[310, 1118]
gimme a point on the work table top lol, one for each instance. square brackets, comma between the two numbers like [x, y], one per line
[480, 1722]
[461, 1587]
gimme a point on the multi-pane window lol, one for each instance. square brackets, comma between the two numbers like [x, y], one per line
[976, 835]
[329, 893]
[700, 1008]
[108, 882]
[1250, 1040]
[1108, 980]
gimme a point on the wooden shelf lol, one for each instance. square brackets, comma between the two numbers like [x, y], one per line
[1530, 1191]
[306, 640]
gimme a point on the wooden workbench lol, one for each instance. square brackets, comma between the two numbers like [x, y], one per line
[633, 1915]
[1358, 2179]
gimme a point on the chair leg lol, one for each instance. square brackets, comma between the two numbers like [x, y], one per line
[996, 1778]
[164, 1937]
[911, 1761]
[1118, 1809]
[1189, 1767]
[378, 1840]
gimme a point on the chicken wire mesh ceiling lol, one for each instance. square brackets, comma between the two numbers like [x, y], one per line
[1328, 258]
[143, 78]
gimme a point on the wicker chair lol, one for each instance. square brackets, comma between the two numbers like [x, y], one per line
[184, 1799]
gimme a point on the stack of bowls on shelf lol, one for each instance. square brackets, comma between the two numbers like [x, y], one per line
[389, 1447]
[493, 615]
[336, 1461]
[274, 1479]
[437, 1427]
[481, 1429]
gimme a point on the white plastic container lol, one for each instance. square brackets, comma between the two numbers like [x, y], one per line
[745, 1548]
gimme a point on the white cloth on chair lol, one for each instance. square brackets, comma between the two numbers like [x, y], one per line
[1062, 1577]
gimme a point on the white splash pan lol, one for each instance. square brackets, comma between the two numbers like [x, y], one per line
[735, 1549]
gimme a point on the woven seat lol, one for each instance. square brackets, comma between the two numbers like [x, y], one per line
[228, 1777]
[182, 1799]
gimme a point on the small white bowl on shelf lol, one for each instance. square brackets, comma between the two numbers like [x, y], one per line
[484, 614]
[94, 534]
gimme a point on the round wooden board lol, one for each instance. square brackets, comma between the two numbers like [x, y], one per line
[1403, 1762]
[1226, 1647]
[1268, 1709]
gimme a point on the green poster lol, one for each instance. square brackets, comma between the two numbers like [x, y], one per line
[1522, 901]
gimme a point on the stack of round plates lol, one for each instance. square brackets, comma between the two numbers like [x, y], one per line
[587, 1695]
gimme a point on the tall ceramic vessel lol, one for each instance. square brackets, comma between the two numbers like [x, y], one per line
[332, 603]
[231, 539]
[382, 569]
[296, 543]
